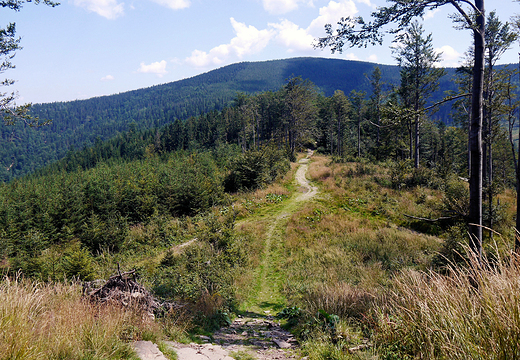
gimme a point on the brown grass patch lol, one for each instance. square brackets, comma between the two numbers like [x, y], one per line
[53, 321]
[319, 168]
[341, 299]
[466, 315]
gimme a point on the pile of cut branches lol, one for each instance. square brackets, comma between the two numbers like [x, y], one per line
[123, 289]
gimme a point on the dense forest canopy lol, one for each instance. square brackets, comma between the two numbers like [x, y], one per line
[81, 123]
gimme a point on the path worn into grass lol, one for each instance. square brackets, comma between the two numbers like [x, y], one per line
[257, 332]
[268, 278]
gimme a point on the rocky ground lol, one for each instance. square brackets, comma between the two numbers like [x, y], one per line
[262, 338]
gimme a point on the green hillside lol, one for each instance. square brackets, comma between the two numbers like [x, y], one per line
[83, 122]
[358, 253]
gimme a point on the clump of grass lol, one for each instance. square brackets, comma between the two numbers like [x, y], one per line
[176, 325]
[242, 355]
[319, 169]
[341, 299]
[319, 346]
[472, 313]
[53, 321]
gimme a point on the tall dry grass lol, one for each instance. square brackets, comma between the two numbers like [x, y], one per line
[342, 299]
[466, 315]
[53, 321]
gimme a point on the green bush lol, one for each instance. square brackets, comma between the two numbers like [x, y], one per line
[255, 169]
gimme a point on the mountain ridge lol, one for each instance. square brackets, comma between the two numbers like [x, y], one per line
[80, 123]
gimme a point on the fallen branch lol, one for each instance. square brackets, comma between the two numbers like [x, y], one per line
[431, 220]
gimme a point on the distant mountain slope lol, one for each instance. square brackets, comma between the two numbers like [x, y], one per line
[81, 123]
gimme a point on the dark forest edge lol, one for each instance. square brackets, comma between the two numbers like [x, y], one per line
[82, 123]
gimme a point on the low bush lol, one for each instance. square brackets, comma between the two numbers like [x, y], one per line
[256, 168]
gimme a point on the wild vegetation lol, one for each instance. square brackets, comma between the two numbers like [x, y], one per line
[207, 212]
[82, 123]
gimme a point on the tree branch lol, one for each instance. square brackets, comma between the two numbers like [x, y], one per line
[431, 220]
[446, 100]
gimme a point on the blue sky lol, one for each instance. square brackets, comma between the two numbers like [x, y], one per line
[87, 48]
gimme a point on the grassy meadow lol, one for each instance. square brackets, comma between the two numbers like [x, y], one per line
[356, 273]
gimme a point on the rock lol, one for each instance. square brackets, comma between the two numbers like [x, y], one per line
[204, 338]
[202, 353]
[282, 344]
[147, 350]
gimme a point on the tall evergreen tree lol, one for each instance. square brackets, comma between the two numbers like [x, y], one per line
[300, 111]
[419, 77]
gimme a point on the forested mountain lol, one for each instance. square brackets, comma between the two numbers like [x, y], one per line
[80, 123]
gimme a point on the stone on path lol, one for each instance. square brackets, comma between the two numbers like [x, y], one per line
[147, 350]
[282, 344]
[202, 352]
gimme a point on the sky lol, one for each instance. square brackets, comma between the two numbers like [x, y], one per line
[87, 48]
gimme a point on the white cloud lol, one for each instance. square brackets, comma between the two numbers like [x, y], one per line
[107, 78]
[293, 37]
[248, 40]
[372, 58]
[109, 9]
[296, 38]
[450, 56]
[278, 7]
[174, 4]
[351, 56]
[367, 2]
[158, 68]
[330, 14]
[430, 14]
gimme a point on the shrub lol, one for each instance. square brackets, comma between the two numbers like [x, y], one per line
[399, 172]
[256, 168]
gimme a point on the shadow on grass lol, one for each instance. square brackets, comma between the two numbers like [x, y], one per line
[271, 305]
[275, 307]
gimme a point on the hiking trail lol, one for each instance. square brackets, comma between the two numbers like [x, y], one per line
[256, 332]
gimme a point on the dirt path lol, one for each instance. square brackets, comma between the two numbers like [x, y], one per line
[257, 333]
[311, 191]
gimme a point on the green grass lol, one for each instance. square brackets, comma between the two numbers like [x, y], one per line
[268, 278]
[349, 252]
[242, 355]
[167, 350]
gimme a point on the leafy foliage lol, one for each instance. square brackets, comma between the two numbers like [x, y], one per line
[255, 169]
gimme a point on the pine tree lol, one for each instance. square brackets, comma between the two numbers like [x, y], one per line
[419, 77]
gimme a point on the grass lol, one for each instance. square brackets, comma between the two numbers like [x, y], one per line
[350, 252]
[53, 321]
[355, 254]
[167, 351]
[242, 355]
[267, 224]
[467, 314]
